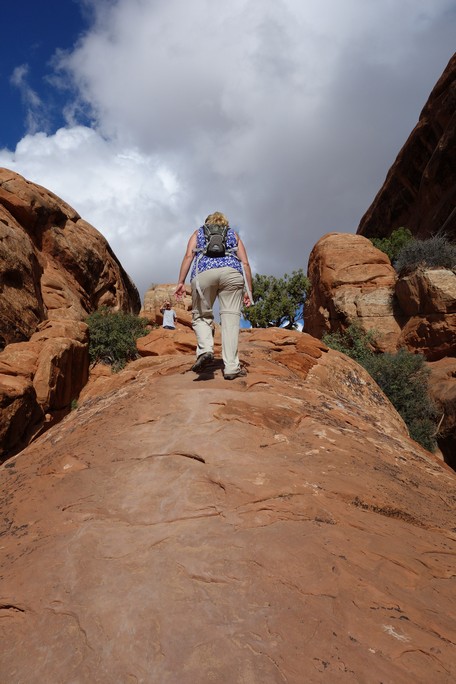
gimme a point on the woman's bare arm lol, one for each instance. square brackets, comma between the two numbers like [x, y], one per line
[242, 254]
[185, 266]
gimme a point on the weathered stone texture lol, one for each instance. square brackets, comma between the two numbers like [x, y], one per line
[416, 311]
[420, 189]
[161, 342]
[443, 390]
[278, 528]
[427, 291]
[53, 264]
[55, 269]
[434, 336]
[39, 379]
[154, 299]
[428, 298]
[352, 281]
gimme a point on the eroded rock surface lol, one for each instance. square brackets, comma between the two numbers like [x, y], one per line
[420, 189]
[352, 281]
[442, 385]
[428, 298]
[278, 528]
[39, 379]
[55, 269]
[53, 264]
[157, 295]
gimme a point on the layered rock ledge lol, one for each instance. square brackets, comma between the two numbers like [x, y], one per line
[278, 528]
[419, 191]
[55, 269]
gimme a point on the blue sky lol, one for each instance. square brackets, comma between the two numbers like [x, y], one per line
[35, 30]
[147, 115]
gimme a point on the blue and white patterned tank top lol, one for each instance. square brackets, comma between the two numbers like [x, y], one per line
[205, 262]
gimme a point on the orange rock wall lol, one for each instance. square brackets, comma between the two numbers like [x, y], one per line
[55, 269]
[420, 189]
[351, 281]
[53, 264]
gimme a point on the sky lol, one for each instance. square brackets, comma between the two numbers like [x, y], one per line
[148, 115]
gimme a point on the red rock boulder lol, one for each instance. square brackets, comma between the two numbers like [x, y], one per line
[442, 383]
[55, 269]
[39, 379]
[352, 281]
[161, 342]
[157, 295]
[53, 264]
[428, 298]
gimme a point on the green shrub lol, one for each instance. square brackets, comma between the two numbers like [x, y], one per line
[393, 244]
[403, 378]
[437, 251]
[112, 337]
[354, 342]
[278, 301]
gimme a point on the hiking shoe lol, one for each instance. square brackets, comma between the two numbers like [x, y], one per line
[241, 373]
[202, 361]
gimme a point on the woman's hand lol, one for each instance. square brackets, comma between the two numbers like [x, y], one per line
[180, 291]
[247, 301]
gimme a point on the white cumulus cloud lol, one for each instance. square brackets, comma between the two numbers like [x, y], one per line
[285, 115]
[34, 106]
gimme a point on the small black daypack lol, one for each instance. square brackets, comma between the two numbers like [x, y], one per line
[215, 246]
[215, 240]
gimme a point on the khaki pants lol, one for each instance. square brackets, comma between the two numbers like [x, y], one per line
[228, 284]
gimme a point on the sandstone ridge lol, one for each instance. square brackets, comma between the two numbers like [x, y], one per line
[55, 269]
[180, 528]
[353, 282]
[54, 264]
[420, 189]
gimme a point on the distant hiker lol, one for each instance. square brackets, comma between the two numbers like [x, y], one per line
[220, 269]
[169, 316]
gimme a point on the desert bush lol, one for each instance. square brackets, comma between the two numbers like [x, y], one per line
[403, 378]
[112, 337]
[354, 342]
[437, 251]
[393, 244]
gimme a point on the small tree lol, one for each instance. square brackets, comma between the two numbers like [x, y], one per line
[113, 335]
[278, 301]
[393, 244]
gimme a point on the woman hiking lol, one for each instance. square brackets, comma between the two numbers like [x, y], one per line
[220, 269]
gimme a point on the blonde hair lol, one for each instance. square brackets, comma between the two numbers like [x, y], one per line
[217, 218]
